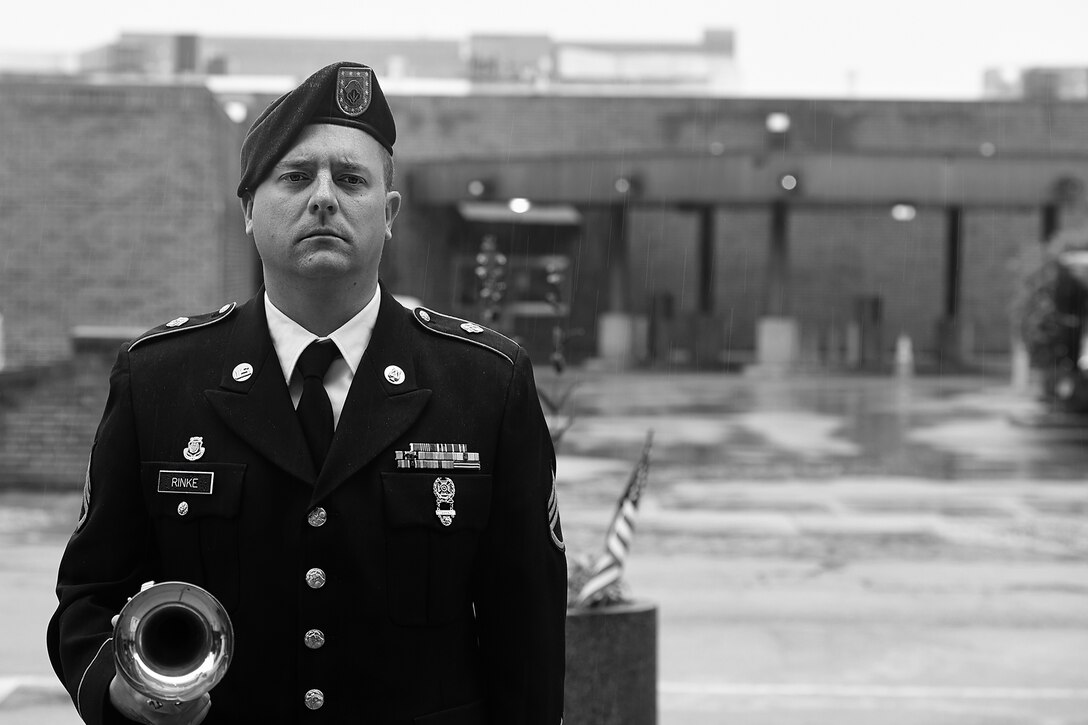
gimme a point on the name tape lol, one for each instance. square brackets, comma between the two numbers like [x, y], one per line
[188, 482]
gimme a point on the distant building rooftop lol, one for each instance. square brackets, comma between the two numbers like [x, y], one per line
[482, 63]
[1056, 83]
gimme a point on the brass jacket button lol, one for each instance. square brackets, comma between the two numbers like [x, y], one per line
[315, 699]
[315, 639]
[315, 578]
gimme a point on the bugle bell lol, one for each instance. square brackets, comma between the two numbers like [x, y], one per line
[173, 641]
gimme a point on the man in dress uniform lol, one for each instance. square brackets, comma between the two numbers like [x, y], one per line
[368, 490]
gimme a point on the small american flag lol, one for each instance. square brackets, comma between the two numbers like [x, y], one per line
[609, 567]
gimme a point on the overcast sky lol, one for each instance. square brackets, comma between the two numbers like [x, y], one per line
[873, 48]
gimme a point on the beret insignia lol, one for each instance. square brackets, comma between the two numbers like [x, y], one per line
[353, 90]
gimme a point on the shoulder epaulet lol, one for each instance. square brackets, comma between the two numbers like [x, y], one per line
[182, 324]
[466, 331]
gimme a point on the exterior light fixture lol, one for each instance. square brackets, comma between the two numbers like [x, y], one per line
[789, 182]
[778, 122]
[520, 205]
[627, 184]
[477, 188]
[236, 111]
[903, 212]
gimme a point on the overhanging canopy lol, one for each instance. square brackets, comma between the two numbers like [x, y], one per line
[497, 212]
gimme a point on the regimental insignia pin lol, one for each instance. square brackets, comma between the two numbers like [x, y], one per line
[177, 322]
[242, 372]
[195, 449]
[472, 327]
[443, 496]
[394, 374]
[353, 90]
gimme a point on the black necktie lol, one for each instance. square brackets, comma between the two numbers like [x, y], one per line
[314, 409]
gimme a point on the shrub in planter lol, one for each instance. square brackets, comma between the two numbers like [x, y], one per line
[1049, 311]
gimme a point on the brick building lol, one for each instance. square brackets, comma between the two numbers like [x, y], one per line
[116, 208]
[116, 212]
[670, 219]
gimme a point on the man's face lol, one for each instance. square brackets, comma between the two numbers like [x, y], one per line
[323, 212]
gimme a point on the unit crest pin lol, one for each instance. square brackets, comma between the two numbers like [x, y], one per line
[195, 449]
[242, 372]
[472, 327]
[394, 374]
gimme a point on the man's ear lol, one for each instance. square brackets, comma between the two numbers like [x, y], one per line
[247, 212]
[392, 208]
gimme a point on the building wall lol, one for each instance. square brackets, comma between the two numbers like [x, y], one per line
[740, 256]
[837, 253]
[126, 194]
[526, 126]
[116, 208]
[992, 237]
[416, 261]
[48, 417]
[663, 259]
[839, 256]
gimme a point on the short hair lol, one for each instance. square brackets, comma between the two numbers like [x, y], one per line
[387, 169]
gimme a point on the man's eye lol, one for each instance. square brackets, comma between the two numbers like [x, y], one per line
[353, 180]
[294, 177]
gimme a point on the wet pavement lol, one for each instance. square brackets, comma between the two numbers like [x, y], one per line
[822, 549]
[731, 427]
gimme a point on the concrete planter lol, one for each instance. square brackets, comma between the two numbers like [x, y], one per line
[612, 665]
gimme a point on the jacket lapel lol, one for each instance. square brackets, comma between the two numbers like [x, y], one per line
[258, 408]
[377, 412]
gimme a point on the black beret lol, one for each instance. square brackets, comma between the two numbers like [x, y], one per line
[344, 94]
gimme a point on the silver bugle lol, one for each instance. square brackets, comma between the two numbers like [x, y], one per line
[173, 641]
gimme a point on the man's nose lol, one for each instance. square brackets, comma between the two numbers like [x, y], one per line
[323, 198]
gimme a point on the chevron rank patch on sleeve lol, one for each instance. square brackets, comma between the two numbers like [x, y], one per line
[554, 526]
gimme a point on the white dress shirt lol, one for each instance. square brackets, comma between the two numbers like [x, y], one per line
[290, 339]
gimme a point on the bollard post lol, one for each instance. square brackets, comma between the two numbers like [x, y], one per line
[904, 356]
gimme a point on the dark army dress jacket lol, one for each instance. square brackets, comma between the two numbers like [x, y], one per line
[421, 622]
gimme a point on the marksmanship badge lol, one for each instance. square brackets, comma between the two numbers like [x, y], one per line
[353, 90]
[443, 495]
[195, 449]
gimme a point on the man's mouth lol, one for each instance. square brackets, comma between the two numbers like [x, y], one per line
[321, 233]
